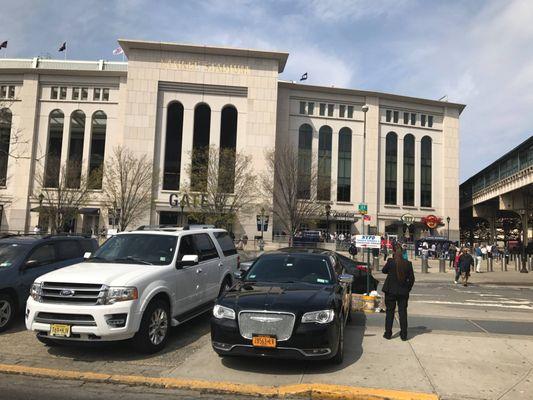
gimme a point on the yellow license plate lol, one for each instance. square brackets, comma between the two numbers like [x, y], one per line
[60, 330]
[264, 341]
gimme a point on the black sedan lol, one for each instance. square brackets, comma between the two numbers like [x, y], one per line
[292, 303]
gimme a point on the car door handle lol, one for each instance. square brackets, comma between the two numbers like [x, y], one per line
[220, 264]
[199, 271]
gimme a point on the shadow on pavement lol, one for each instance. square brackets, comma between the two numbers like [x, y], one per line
[18, 325]
[353, 350]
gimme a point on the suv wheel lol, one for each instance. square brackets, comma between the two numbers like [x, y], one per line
[7, 311]
[339, 356]
[155, 324]
[226, 285]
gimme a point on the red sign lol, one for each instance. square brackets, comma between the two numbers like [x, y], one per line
[432, 221]
[367, 217]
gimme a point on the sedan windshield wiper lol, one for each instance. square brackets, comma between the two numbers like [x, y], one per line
[96, 258]
[131, 259]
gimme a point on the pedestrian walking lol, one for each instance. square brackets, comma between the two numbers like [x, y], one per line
[466, 261]
[398, 284]
[479, 257]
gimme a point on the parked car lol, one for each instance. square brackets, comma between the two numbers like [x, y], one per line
[359, 271]
[137, 285]
[25, 258]
[292, 303]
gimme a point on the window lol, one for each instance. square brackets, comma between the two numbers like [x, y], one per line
[43, 255]
[206, 247]
[174, 138]
[105, 94]
[391, 157]
[62, 93]
[75, 149]
[69, 249]
[305, 139]
[310, 108]
[423, 119]
[302, 107]
[331, 107]
[409, 170]
[3, 92]
[53, 153]
[5, 138]
[96, 94]
[430, 121]
[11, 93]
[200, 147]
[97, 149]
[413, 119]
[396, 117]
[342, 111]
[75, 93]
[425, 172]
[324, 163]
[405, 118]
[388, 114]
[322, 110]
[228, 146]
[226, 243]
[84, 93]
[54, 90]
[344, 165]
[350, 111]
[187, 247]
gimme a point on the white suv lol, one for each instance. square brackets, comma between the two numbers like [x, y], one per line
[136, 285]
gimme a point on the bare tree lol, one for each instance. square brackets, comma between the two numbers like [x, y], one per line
[127, 186]
[226, 183]
[294, 193]
[61, 192]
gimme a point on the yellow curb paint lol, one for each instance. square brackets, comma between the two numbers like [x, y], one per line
[313, 390]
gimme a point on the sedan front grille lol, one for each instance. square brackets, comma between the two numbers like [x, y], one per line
[70, 319]
[279, 324]
[72, 293]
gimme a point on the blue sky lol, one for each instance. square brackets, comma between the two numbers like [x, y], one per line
[478, 52]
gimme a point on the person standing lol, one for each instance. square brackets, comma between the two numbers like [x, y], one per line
[398, 284]
[464, 264]
[479, 257]
[452, 250]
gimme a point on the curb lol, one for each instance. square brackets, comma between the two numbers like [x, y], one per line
[313, 391]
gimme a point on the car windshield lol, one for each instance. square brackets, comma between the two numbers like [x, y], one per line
[9, 252]
[283, 268]
[137, 249]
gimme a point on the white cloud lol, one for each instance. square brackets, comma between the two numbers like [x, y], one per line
[335, 10]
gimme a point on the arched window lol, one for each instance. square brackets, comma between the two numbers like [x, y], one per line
[200, 147]
[174, 138]
[391, 167]
[56, 121]
[97, 150]
[5, 137]
[345, 165]
[75, 149]
[305, 140]
[409, 170]
[425, 172]
[228, 145]
[324, 163]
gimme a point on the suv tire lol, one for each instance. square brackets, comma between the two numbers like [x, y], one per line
[226, 285]
[7, 311]
[339, 356]
[155, 326]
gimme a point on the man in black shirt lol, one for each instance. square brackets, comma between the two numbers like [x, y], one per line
[466, 261]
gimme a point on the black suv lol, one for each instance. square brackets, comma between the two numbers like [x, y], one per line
[24, 258]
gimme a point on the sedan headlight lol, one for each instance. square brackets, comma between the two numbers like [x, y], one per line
[223, 312]
[36, 291]
[320, 317]
[120, 293]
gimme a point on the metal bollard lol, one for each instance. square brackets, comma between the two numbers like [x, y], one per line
[502, 261]
[530, 263]
[424, 265]
[491, 265]
[488, 267]
[376, 263]
[516, 263]
[442, 265]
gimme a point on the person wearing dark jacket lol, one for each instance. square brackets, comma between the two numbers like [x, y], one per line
[466, 261]
[399, 282]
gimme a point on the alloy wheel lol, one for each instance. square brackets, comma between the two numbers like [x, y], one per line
[5, 312]
[158, 328]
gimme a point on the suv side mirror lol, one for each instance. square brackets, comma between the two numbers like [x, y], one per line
[187, 261]
[87, 255]
[238, 275]
[31, 263]
[346, 278]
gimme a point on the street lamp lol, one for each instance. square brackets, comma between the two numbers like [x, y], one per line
[525, 216]
[448, 221]
[328, 211]
[182, 206]
[364, 108]
[262, 221]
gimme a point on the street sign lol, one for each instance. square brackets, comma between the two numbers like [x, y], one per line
[407, 219]
[368, 241]
[363, 208]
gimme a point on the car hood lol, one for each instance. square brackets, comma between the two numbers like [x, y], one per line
[293, 297]
[112, 274]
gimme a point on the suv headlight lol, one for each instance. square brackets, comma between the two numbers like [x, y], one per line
[36, 291]
[223, 312]
[120, 293]
[320, 317]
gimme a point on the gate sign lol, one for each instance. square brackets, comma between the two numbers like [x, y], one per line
[368, 241]
[408, 219]
[363, 208]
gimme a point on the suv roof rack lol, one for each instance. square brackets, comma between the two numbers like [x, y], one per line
[173, 228]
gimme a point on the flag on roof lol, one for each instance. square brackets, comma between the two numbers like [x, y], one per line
[63, 47]
[118, 51]
[304, 77]
[3, 44]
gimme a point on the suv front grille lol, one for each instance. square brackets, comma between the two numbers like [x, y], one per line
[70, 319]
[266, 323]
[72, 293]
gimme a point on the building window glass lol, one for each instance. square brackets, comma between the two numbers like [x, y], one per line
[396, 116]
[62, 93]
[75, 149]
[350, 111]
[413, 119]
[5, 138]
[11, 93]
[53, 152]
[345, 165]
[409, 170]
[324, 163]
[423, 119]
[388, 115]
[3, 92]
[97, 149]
[174, 137]
[331, 107]
[391, 159]
[105, 94]
[342, 111]
[84, 93]
[200, 147]
[75, 93]
[430, 121]
[54, 90]
[305, 140]
[302, 107]
[405, 118]
[425, 172]
[96, 94]
[228, 146]
[322, 110]
[310, 108]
